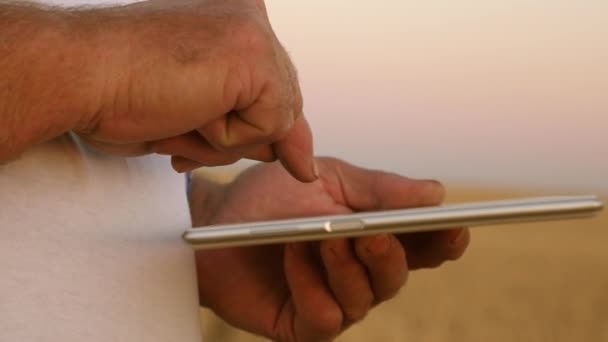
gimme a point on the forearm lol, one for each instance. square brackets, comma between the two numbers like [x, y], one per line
[58, 69]
[39, 77]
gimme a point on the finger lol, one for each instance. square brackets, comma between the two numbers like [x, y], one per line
[194, 147]
[347, 279]
[181, 164]
[255, 125]
[126, 150]
[263, 153]
[363, 189]
[385, 260]
[431, 249]
[295, 152]
[318, 316]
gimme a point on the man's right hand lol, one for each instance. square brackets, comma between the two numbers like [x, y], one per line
[204, 81]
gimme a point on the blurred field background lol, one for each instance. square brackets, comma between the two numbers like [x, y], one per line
[508, 94]
[473, 92]
[524, 282]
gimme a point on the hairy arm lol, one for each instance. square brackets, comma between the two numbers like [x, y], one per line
[59, 68]
[41, 75]
[62, 68]
[206, 82]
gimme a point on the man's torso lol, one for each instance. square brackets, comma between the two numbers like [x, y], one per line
[90, 248]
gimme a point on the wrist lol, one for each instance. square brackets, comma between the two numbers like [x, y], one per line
[102, 39]
[140, 56]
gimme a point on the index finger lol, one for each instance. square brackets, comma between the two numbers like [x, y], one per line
[295, 151]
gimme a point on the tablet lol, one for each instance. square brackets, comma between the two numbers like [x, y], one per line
[394, 221]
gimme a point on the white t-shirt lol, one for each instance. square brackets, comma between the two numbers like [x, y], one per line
[91, 250]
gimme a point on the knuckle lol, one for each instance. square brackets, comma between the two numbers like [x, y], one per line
[358, 312]
[274, 130]
[392, 291]
[355, 314]
[336, 252]
[218, 134]
[271, 129]
[224, 144]
[361, 250]
[379, 253]
[388, 294]
[327, 251]
[328, 323]
[456, 253]
[399, 252]
[460, 247]
[222, 141]
[252, 36]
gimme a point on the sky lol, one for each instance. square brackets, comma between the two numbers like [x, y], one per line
[509, 93]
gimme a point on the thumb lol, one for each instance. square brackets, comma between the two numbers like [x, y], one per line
[366, 190]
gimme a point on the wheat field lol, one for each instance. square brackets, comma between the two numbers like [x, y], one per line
[525, 282]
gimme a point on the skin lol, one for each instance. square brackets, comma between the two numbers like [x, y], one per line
[315, 290]
[206, 82]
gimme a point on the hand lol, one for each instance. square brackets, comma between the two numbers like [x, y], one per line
[204, 81]
[313, 291]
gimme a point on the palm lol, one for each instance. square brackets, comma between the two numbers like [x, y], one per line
[311, 292]
[254, 276]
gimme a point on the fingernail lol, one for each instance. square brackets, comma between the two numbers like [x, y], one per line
[459, 238]
[380, 245]
[315, 168]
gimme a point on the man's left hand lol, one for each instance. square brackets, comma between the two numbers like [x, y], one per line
[312, 291]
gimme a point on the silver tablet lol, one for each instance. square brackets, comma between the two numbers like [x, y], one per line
[394, 221]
